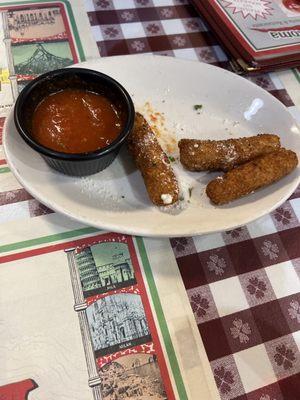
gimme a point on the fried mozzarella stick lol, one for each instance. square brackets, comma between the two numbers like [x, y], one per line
[214, 155]
[253, 175]
[153, 163]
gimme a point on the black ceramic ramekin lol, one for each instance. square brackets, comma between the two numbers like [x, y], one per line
[80, 164]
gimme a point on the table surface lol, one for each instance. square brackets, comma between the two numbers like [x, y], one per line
[243, 285]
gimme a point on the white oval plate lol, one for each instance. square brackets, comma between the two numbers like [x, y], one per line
[116, 199]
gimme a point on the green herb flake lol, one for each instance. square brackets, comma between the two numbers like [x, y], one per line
[198, 107]
[172, 159]
[190, 191]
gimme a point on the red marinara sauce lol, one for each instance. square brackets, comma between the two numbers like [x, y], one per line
[75, 121]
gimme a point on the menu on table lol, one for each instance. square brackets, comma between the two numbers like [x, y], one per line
[260, 35]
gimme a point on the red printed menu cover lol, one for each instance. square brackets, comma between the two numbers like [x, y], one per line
[259, 34]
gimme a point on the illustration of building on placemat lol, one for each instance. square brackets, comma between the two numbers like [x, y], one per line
[116, 320]
[121, 357]
[41, 61]
[105, 266]
[33, 40]
[132, 376]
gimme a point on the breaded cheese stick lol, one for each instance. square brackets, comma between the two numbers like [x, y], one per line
[153, 163]
[214, 155]
[253, 175]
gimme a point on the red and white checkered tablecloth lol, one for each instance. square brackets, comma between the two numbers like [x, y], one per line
[243, 285]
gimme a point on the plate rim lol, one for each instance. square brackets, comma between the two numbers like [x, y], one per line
[139, 231]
